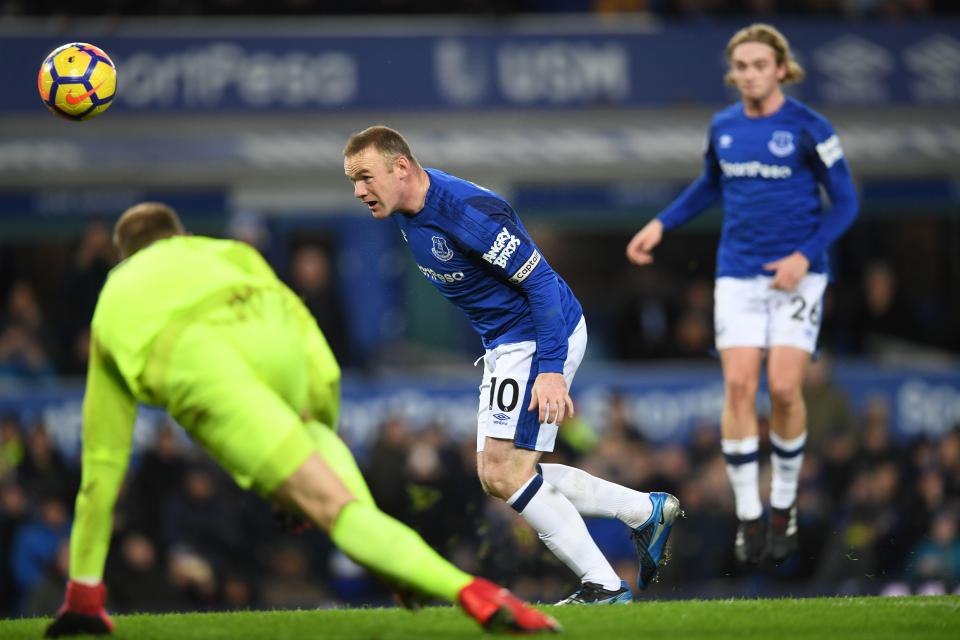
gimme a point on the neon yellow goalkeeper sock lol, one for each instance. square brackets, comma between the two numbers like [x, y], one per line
[393, 550]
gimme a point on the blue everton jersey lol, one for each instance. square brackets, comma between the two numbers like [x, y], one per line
[470, 244]
[768, 171]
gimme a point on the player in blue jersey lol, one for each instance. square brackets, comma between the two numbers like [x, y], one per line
[470, 244]
[767, 157]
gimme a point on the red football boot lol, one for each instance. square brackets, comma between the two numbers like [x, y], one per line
[499, 611]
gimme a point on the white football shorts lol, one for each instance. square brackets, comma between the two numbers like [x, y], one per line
[509, 372]
[749, 312]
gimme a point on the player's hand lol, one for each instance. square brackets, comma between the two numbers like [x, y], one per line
[640, 248]
[82, 612]
[551, 396]
[789, 271]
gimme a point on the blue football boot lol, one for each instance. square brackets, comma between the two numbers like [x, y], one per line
[651, 537]
[593, 593]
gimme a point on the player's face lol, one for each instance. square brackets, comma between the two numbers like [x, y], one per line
[754, 69]
[375, 181]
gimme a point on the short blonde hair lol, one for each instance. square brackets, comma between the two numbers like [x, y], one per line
[387, 141]
[143, 224]
[769, 35]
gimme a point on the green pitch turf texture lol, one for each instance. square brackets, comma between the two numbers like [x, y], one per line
[923, 618]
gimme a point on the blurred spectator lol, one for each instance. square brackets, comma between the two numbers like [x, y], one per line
[883, 312]
[201, 521]
[11, 445]
[161, 469]
[92, 261]
[645, 318]
[385, 467]
[137, 579]
[828, 408]
[693, 335]
[693, 329]
[704, 443]
[194, 578]
[949, 461]
[575, 439]
[25, 354]
[839, 458]
[445, 497]
[290, 585]
[13, 514]
[876, 446]
[237, 592]
[313, 279]
[620, 422]
[43, 471]
[36, 543]
[47, 595]
[937, 559]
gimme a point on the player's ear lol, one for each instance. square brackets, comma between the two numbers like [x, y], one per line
[402, 164]
[782, 72]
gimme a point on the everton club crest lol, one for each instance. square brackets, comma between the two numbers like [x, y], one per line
[440, 249]
[781, 144]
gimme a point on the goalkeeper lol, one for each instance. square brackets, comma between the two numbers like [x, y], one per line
[205, 329]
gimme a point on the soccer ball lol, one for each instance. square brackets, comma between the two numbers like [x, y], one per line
[77, 81]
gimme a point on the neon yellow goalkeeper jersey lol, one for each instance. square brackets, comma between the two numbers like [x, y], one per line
[153, 290]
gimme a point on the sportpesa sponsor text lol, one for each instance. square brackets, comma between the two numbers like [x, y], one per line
[754, 169]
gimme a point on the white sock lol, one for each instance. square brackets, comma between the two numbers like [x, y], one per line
[563, 531]
[598, 498]
[787, 458]
[743, 471]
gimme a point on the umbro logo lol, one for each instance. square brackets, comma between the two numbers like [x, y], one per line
[501, 416]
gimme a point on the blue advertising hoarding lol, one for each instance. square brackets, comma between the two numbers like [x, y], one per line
[665, 403]
[478, 66]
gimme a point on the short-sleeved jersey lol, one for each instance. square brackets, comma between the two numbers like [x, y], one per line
[470, 244]
[769, 171]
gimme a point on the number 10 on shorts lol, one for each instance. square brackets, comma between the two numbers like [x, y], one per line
[507, 395]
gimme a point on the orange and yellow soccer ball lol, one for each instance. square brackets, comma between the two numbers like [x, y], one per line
[77, 81]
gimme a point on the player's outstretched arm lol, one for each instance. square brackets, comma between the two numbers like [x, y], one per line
[109, 410]
[641, 246]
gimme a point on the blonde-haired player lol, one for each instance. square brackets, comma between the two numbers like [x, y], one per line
[767, 157]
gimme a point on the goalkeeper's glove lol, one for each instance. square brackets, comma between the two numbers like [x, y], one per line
[82, 612]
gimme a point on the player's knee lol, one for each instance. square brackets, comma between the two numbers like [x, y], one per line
[497, 481]
[316, 492]
[784, 394]
[740, 389]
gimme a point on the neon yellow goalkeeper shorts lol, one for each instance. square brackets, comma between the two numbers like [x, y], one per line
[236, 379]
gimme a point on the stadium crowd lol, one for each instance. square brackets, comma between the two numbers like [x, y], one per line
[878, 308]
[876, 516]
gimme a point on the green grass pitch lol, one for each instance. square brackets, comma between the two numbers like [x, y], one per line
[923, 618]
